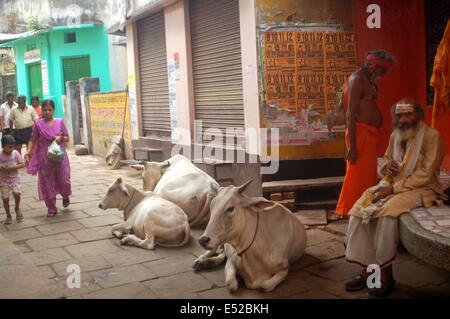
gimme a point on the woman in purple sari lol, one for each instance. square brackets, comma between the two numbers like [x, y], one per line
[53, 176]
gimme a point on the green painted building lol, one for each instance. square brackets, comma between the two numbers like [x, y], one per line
[46, 59]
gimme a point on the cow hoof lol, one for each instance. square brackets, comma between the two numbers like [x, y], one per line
[232, 285]
[123, 241]
[198, 266]
[117, 234]
[267, 289]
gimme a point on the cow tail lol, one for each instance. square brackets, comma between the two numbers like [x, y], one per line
[187, 234]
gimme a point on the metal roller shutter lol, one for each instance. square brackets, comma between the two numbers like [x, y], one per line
[153, 75]
[216, 62]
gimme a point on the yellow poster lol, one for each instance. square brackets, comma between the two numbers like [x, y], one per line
[109, 115]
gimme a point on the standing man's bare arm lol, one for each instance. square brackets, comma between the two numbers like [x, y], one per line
[355, 89]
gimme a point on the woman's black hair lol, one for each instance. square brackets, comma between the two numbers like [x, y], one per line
[50, 102]
[8, 140]
[34, 97]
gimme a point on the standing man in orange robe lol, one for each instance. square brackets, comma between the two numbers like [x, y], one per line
[363, 122]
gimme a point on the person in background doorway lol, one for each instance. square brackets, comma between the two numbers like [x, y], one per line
[36, 106]
[364, 120]
[23, 116]
[5, 110]
[53, 177]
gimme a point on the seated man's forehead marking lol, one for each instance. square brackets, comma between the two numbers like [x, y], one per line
[404, 108]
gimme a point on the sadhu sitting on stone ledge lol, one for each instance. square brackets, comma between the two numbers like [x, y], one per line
[411, 171]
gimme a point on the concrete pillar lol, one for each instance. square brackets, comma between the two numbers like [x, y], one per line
[87, 85]
[71, 112]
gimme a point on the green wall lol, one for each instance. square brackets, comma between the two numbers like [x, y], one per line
[91, 41]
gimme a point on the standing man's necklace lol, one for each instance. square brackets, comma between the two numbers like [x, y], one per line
[372, 83]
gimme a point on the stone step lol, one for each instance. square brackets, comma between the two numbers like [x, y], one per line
[302, 184]
[148, 154]
[216, 162]
[220, 170]
[321, 203]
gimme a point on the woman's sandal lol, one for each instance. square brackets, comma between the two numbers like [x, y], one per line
[19, 216]
[7, 221]
[51, 214]
[66, 202]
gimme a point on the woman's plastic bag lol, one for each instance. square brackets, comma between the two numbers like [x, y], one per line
[55, 152]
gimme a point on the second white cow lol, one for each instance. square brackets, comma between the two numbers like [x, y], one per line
[261, 239]
[149, 219]
[181, 182]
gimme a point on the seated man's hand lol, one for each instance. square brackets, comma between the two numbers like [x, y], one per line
[392, 168]
[382, 192]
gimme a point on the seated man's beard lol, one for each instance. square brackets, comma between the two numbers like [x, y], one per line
[406, 131]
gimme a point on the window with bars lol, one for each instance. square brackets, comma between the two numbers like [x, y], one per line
[70, 37]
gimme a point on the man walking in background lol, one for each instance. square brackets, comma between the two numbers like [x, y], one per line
[23, 117]
[5, 110]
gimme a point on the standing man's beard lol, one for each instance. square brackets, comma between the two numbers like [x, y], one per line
[406, 132]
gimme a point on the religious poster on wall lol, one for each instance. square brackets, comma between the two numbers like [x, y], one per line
[303, 74]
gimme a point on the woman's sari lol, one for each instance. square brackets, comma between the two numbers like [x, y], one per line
[53, 177]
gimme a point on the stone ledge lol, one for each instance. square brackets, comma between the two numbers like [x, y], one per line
[424, 244]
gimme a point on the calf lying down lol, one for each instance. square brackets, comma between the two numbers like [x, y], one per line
[260, 238]
[149, 219]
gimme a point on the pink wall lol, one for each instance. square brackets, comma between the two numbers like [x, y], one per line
[176, 17]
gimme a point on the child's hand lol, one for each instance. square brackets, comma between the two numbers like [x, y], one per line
[27, 158]
[7, 169]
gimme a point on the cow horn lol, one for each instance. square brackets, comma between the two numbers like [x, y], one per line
[244, 186]
[165, 164]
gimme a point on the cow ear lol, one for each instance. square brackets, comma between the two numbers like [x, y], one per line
[138, 167]
[125, 190]
[244, 186]
[258, 203]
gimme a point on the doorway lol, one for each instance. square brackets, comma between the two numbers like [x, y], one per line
[35, 80]
[75, 68]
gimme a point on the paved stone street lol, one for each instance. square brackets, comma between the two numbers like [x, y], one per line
[34, 255]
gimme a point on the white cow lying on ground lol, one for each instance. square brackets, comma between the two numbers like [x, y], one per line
[149, 219]
[181, 182]
[262, 238]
